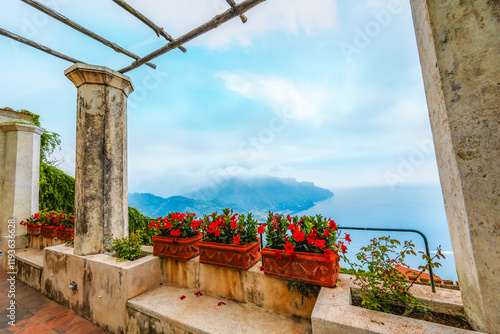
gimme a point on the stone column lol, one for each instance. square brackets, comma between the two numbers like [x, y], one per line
[459, 46]
[20, 173]
[101, 193]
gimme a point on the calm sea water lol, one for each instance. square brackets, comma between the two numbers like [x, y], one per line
[407, 207]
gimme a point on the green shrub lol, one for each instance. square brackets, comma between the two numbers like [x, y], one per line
[128, 248]
[382, 285]
[140, 227]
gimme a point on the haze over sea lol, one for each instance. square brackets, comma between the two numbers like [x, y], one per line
[418, 207]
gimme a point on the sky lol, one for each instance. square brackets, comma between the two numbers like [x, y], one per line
[324, 91]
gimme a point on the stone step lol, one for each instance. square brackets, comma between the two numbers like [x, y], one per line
[161, 310]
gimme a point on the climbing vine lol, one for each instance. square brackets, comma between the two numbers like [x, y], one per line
[49, 141]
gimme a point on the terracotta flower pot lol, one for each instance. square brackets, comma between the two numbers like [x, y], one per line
[49, 231]
[176, 248]
[306, 267]
[34, 230]
[234, 256]
[66, 234]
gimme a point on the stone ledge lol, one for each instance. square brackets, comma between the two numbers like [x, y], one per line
[31, 256]
[334, 313]
[29, 267]
[250, 286]
[162, 311]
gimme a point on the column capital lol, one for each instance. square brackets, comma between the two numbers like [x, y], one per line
[21, 127]
[81, 74]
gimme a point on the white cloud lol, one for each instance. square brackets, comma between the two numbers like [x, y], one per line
[178, 17]
[298, 101]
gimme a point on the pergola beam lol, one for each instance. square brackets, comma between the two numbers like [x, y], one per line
[52, 13]
[38, 46]
[210, 25]
[242, 17]
[158, 30]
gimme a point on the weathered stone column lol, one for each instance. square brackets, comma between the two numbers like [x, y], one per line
[101, 193]
[19, 177]
[459, 46]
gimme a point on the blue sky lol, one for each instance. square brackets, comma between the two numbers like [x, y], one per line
[318, 90]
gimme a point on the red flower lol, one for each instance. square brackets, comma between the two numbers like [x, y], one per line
[217, 232]
[327, 232]
[319, 243]
[332, 224]
[54, 220]
[72, 220]
[298, 235]
[221, 303]
[182, 297]
[195, 224]
[328, 253]
[311, 237]
[277, 253]
[343, 248]
[236, 240]
[197, 294]
[289, 248]
[289, 218]
[167, 225]
[348, 237]
[261, 229]
[233, 224]
[175, 233]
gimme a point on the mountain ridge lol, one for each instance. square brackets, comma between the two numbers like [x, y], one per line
[243, 194]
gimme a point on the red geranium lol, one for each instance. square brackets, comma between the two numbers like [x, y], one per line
[230, 228]
[312, 234]
[177, 225]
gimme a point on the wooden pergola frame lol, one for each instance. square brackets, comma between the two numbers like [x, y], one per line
[234, 11]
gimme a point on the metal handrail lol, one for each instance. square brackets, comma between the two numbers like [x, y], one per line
[400, 230]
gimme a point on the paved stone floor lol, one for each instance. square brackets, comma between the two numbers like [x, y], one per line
[37, 314]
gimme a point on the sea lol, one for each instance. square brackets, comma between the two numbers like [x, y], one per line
[417, 207]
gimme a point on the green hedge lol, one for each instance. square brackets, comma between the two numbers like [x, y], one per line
[57, 189]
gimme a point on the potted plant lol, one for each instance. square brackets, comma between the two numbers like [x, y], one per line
[33, 224]
[49, 224]
[66, 228]
[229, 240]
[178, 236]
[303, 249]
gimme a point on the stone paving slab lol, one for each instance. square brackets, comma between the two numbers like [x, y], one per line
[37, 314]
[166, 312]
